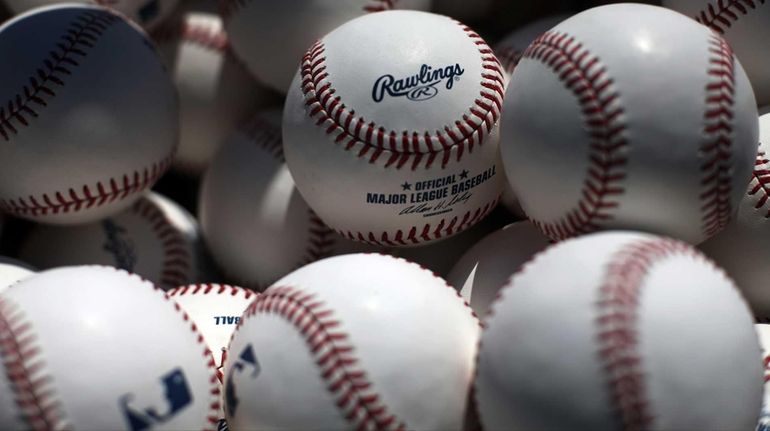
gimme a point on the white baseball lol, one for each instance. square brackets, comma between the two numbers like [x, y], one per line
[12, 271]
[744, 23]
[216, 92]
[255, 223]
[215, 309]
[484, 268]
[743, 247]
[147, 13]
[393, 140]
[361, 341]
[617, 320]
[83, 130]
[155, 238]
[652, 129]
[763, 331]
[99, 348]
[271, 36]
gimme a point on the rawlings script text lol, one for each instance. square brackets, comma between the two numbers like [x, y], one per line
[421, 86]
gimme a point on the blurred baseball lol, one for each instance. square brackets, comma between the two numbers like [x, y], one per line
[12, 271]
[84, 131]
[743, 248]
[254, 220]
[484, 268]
[613, 130]
[401, 149]
[615, 317]
[143, 364]
[510, 49]
[744, 23]
[271, 36]
[216, 92]
[353, 340]
[155, 238]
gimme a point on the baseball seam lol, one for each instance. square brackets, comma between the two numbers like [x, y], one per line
[177, 263]
[722, 16]
[586, 77]
[509, 58]
[215, 391]
[211, 289]
[416, 235]
[24, 368]
[760, 182]
[82, 34]
[716, 167]
[204, 35]
[366, 139]
[333, 353]
[101, 193]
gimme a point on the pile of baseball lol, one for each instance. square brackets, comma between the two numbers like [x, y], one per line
[327, 214]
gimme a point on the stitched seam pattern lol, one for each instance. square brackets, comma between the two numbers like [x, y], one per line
[203, 35]
[101, 193]
[32, 388]
[617, 326]
[760, 182]
[379, 5]
[716, 168]
[586, 77]
[215, 391]
[334, 354]
[416, 234]
[402, 148]
[721, 16]
[73, 46]
[211, 289]
[177, 264]
[509, 58]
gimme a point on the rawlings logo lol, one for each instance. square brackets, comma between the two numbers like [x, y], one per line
[421, 86]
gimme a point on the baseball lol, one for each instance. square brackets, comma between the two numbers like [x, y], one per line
[361, 341]
[484, 268]
[653, 129]
[271, 37]
[743, 249]
[616, 318]
[744, 24]
[510, 49]
[146, 13]
[215, 309]
[12, 271]
[216, 92]
[83, 131]
[142, 363]
[763, 331]
[254, 220]
[401, 149]
[154, 238]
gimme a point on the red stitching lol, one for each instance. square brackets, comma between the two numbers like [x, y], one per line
[760, 179]
[73, 200]
[266, 135]
[721, 17]
[334, 354]
[211, 289]
[31, 388]
[617, 325]
[205, 35]
[402, 148]
[321, 240]
[717, 167]
[428, 232]
[177, 260]
[379, 5]
[509, 58]
[83, 34]
[585, 75]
